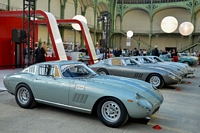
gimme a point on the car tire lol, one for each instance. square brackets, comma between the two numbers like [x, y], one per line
[112, 112]
[102, 72]
[155, 80]
[80, 60]
[24, 96]
[187, 62]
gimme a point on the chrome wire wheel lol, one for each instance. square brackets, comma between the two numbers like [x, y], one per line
[102, 73]
[110, 111]
[23, 95]
[155, 81]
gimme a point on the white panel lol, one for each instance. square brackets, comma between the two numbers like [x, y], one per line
[90, 42]
[56, 36]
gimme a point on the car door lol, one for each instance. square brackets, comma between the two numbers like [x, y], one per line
[119, 68]
[137, 70]
[49, 85]
[78, 93]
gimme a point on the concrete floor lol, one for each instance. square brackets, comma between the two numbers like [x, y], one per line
[178, 114]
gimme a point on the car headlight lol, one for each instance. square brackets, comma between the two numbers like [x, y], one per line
[143, 102]
[182, 69]
[190, 69]
[176, 72]
[171, 75]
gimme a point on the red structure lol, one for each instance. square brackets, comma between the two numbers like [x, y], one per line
[10, 52]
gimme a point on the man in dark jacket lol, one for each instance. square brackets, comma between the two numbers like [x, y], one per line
[155, 51]
[27, 54]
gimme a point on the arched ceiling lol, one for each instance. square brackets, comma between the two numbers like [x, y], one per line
[102, 7]
[86, 2]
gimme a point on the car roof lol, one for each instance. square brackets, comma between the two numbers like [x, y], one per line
[60, 62]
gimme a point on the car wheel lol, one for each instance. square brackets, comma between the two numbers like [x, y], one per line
[112, 112]
[186, 62]
[24, 96]
[156, 80]
[102, 72]
[80, 60]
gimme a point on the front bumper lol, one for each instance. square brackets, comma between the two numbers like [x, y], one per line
[168, 80]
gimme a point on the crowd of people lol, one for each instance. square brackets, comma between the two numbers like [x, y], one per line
[40, 52]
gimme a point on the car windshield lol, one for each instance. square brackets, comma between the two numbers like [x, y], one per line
[157, 59]
[184, 54]
[166, 56]
[77, 71]
[130, 61]
[147, 60]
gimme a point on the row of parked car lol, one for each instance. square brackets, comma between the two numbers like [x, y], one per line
[115, 89]
[151, 69]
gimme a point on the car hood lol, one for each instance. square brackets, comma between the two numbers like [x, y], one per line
[130, 84]
[159, 65]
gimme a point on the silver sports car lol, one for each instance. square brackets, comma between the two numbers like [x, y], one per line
[171, 63]
[73, 85]
[127, 67]
[149, 62]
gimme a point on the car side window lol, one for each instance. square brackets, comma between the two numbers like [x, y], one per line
[46, 70]
[116, 62]
[30, 70]
[66, 73]
[136, 59]
[133, 62]
[74, 71]
[128, 62]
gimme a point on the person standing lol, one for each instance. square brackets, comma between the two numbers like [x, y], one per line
[198, 55]
[155, 51]
[174, 56]
[41, 55]
[27, 54]
[76, 49]
[97, 49]
[36, 53]
[136, 52]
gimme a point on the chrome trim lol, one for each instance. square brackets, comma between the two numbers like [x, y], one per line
[63, 105]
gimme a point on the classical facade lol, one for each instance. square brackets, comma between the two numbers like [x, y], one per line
[143, 17]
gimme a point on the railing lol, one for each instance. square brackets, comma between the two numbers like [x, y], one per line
[147, 1]
[188, 47]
